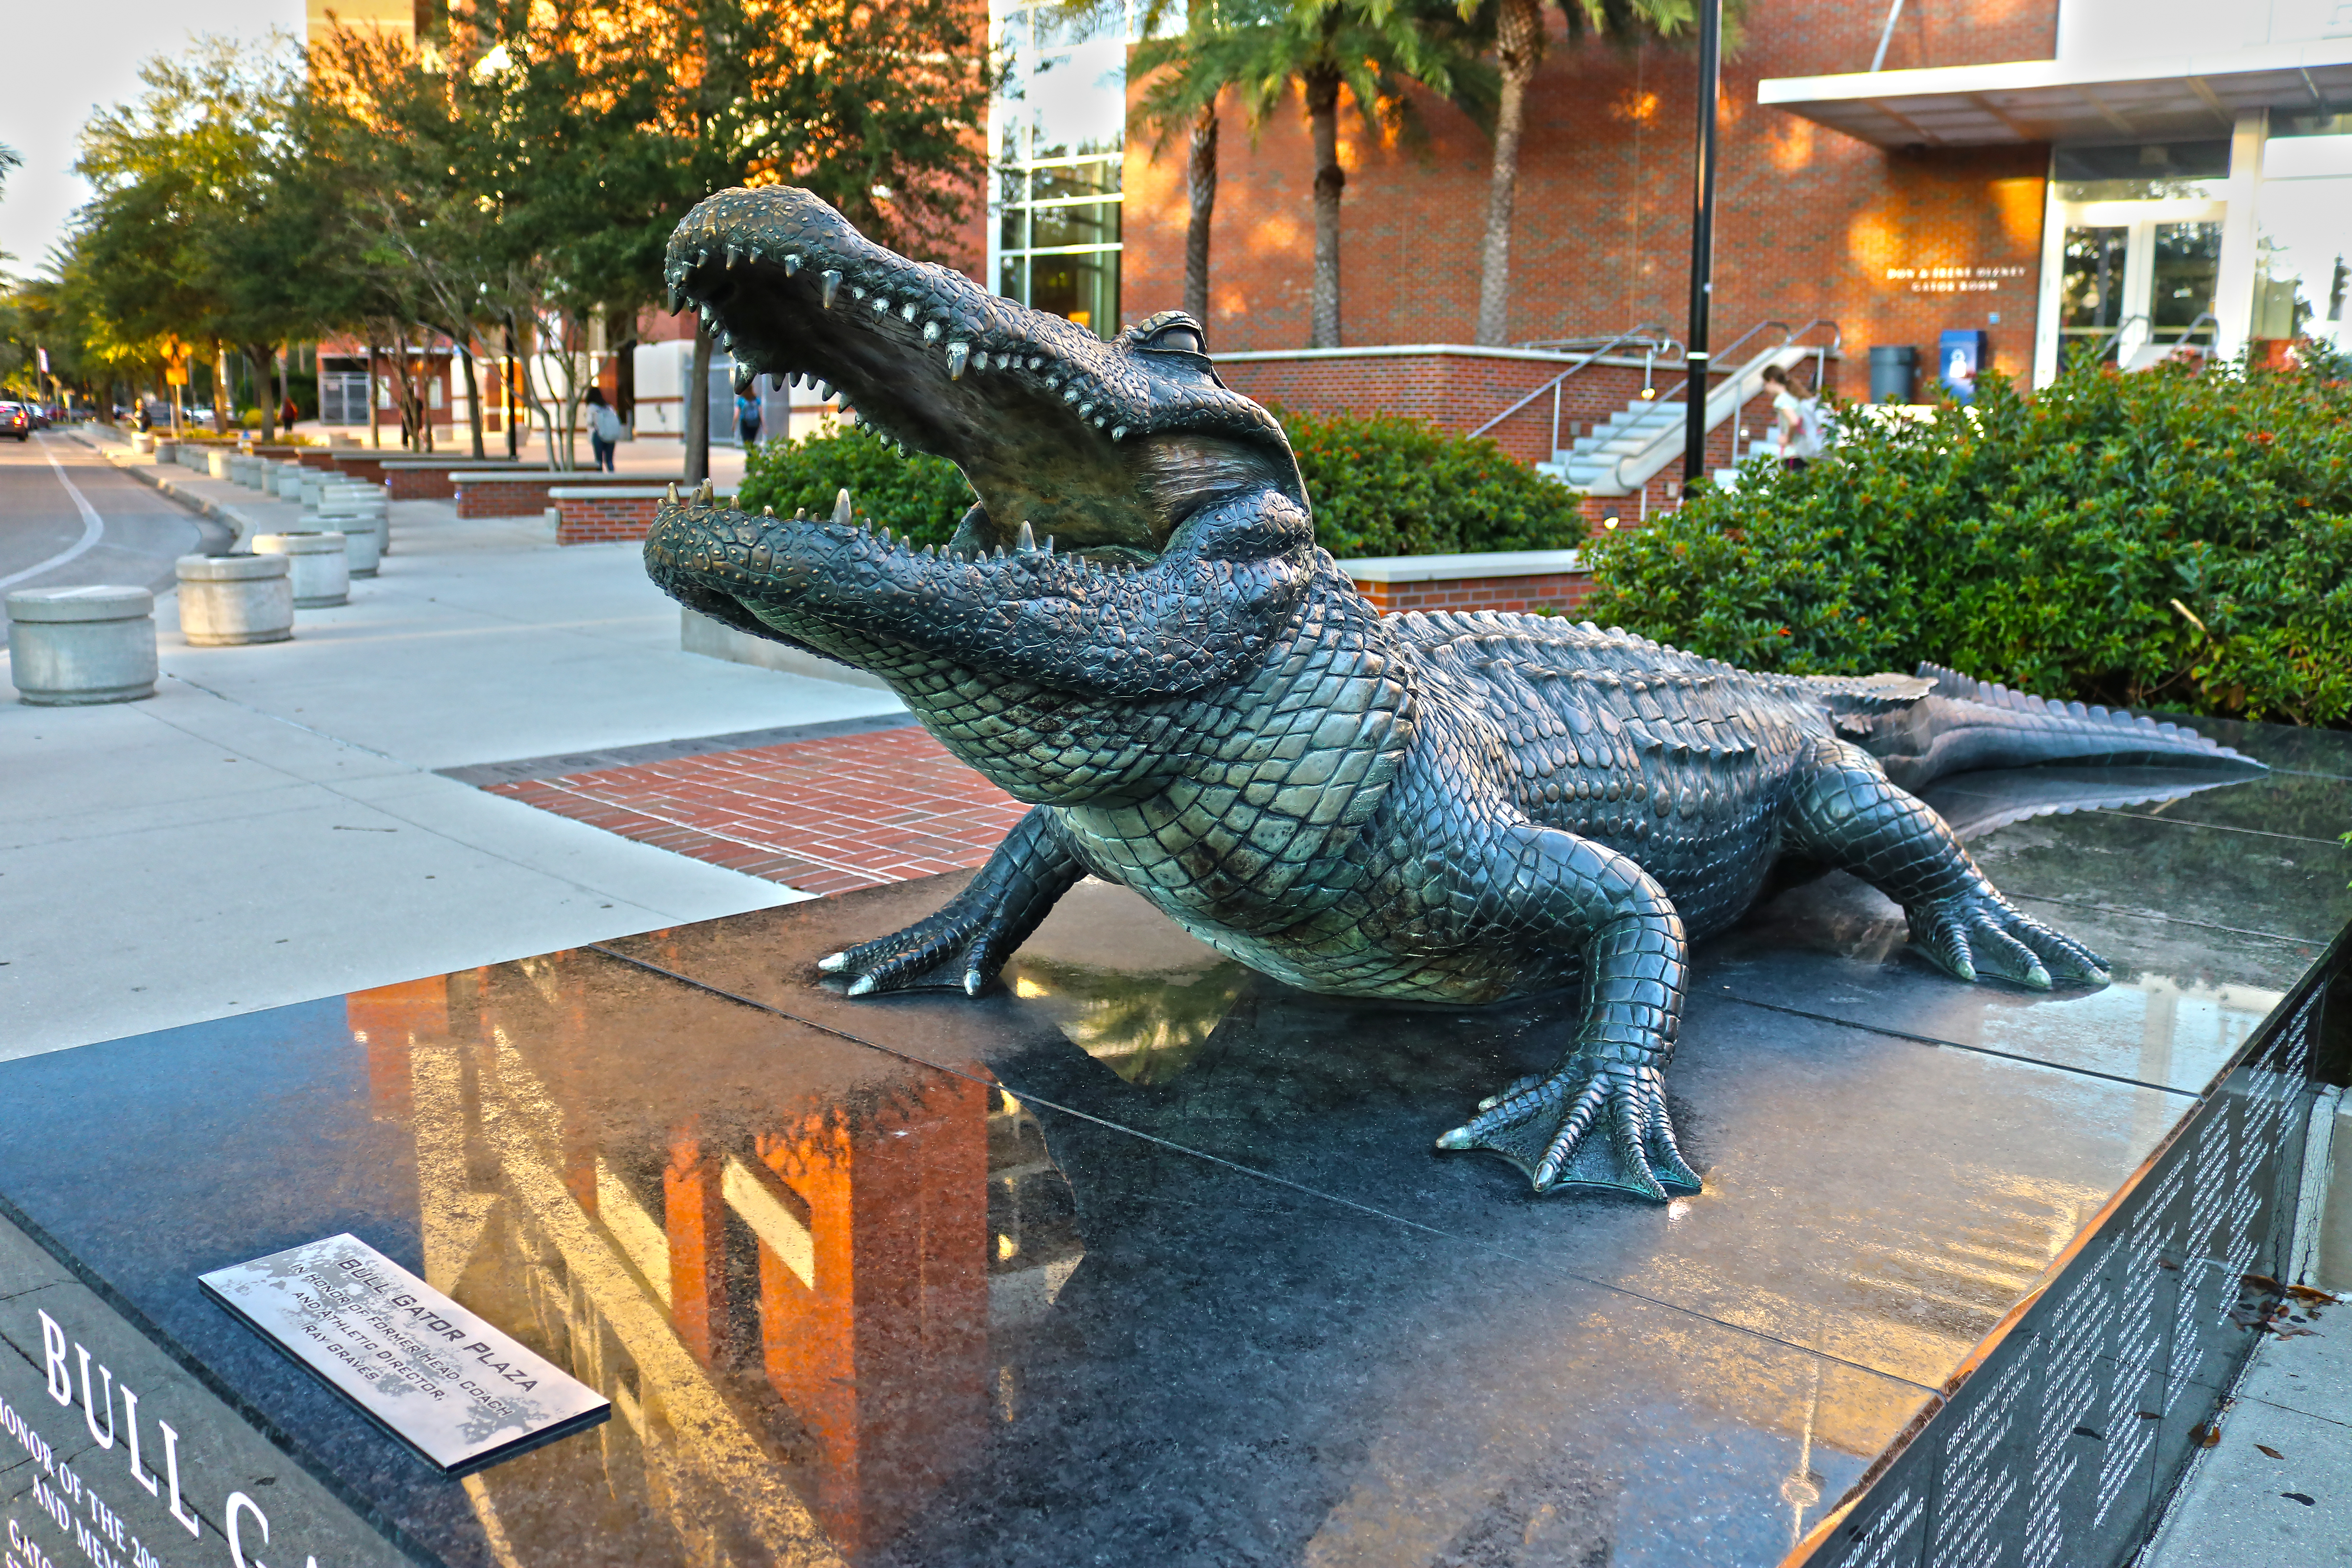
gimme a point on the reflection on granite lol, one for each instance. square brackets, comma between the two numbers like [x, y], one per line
[1145, 1257]
[850, 1308]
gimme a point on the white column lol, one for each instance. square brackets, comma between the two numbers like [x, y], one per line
[2052, 297]
[2233, 292]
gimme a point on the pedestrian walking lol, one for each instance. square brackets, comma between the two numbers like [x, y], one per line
[287, 414]
[747, 416]
[605, 429]
[1796, 418]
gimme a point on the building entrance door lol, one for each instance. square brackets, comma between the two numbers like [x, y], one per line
[2135, 280]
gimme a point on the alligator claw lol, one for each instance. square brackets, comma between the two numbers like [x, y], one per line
[1593, 1124]
[1979, 935]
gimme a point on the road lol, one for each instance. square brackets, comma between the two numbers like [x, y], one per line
[131, 534]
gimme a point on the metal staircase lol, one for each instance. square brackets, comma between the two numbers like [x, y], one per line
[1628, 449]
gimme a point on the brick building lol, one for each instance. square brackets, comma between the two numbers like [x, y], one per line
[2030, 169]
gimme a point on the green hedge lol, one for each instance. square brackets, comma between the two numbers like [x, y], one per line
[1386, 486]
[1380, 485]
[921, 496]
[2163, 540]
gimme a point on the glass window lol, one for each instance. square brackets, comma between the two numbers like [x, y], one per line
[2188, 263]
[1061, 128]
[2143, 170]
[2302, 259]
[2090, 292]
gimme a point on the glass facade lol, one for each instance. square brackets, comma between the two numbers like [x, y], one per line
[2301, 272]
[1059, 130]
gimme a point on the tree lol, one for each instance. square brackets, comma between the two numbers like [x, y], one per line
[182, 238]
[881, 110]
[1518, 29]
[1192, 78]
[1369, 49]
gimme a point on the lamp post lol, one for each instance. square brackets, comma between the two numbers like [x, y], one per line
[1702, 266]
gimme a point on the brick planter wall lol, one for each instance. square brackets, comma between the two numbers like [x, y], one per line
[1521, 581]
[605, 515]
[525, 495]
[436, 481]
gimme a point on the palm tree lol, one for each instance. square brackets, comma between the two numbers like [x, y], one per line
[1191, 80]
[1369, 48]
[1518, 34]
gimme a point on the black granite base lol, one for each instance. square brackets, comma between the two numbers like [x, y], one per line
[1144, 1259]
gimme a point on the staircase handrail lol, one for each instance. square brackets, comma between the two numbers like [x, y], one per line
[1682, 392]
[1632, 334]
[1735, 373]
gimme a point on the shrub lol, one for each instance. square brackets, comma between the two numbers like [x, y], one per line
[1380, 485]
[1384, 485]
[2163, 540]
[922, 496]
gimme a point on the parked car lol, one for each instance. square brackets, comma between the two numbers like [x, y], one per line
[15, 421]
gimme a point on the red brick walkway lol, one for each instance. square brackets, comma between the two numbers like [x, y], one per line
[823, 816]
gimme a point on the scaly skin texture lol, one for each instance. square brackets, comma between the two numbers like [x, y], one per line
[1199, 705]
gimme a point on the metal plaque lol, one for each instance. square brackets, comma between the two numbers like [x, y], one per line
[432, 1373]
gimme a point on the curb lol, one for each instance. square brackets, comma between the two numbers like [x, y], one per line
[244, 527]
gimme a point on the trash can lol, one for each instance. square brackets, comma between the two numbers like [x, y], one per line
[1894, 374]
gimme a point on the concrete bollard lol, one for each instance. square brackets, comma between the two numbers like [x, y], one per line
[321, 572]
[228, 600]
[167, 451]
[217, 462]
[69, 646]
[362, 540]
[287, 484]
[309, 488]
[142, 441]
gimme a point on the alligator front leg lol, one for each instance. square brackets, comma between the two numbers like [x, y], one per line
[1849, 816]
[967, 943]
[1599, 1118]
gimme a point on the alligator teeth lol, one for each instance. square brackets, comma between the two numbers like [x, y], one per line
[907, 310]
[840, 510]
[673, 493]
[886, 534]
[1027, 540]
[752, 256]
[832, 287]
[856, 291]
[1119, 433]
[957, 353]
[1038, 365]
[930, 332]
[1101, 420]
[824, 390]
[792, 263]
[1085, 409]
[800, 514]
[730, 258]
[1052, 381]
[1072, 396]
[881, 305]
[767, 512]
[744, 376]
[1049, 544]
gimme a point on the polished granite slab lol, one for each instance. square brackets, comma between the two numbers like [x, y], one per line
[1143, 1257]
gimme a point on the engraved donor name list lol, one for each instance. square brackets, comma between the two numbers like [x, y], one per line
[458, 1390]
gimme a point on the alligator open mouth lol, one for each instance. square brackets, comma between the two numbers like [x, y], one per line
[1106, 446]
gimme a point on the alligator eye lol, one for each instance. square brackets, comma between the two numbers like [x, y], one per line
[1184, 340]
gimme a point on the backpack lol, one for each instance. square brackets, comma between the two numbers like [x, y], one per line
[1813, 434]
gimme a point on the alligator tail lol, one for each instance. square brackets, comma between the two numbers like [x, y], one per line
[1960, 725]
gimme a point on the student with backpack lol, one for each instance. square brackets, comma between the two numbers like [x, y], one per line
[604, 430]
[1796, 417]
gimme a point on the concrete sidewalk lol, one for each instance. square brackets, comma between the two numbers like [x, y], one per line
[269, 828]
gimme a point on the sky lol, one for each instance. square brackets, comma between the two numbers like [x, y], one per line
[70, 61]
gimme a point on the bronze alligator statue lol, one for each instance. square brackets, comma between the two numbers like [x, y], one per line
[1134, 631]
